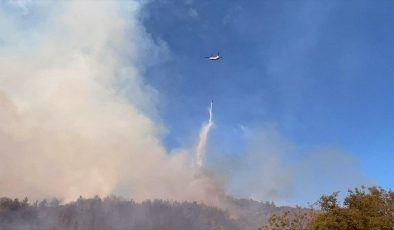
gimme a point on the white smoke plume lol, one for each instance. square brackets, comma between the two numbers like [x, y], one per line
[203, 137]
[276, 169]
[75, 113]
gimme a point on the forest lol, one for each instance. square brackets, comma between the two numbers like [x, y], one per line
[118, 213]
[362, 208]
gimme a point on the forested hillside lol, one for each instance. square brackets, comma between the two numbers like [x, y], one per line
[363, 208]
[117, 213]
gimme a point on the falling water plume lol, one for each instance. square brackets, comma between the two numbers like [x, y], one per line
[200, 151]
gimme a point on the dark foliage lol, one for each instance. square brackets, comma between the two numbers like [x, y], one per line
[120, 214]
[111, 213]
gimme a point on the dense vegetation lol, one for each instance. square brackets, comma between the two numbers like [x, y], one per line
[117, 213]
[111, 213]
[362, 209]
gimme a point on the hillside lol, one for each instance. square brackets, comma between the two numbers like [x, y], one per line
[118, 214]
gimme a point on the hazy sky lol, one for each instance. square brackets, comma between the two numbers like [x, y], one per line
[319, 71]
[303, 99]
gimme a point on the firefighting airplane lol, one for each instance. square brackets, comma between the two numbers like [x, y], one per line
[214, 57]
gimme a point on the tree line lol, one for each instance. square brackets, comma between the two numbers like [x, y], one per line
[362, 209]
[111, 213]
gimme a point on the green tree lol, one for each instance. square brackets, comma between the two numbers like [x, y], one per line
[295, 220]
[371, 209]
[363, 209]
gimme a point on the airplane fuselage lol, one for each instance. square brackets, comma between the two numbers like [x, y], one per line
[214, 58]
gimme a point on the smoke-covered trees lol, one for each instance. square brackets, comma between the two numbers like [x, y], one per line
[112, 213]
[363, 208]
[117, 213]
[9, 204]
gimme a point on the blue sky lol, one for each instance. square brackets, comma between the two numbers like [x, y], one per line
[320, 72]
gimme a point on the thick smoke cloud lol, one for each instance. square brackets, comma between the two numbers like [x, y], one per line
[75, 112]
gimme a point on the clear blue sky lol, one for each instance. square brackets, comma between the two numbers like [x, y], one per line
[320, 71]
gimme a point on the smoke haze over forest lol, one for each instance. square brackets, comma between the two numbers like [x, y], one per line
[110, 98]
